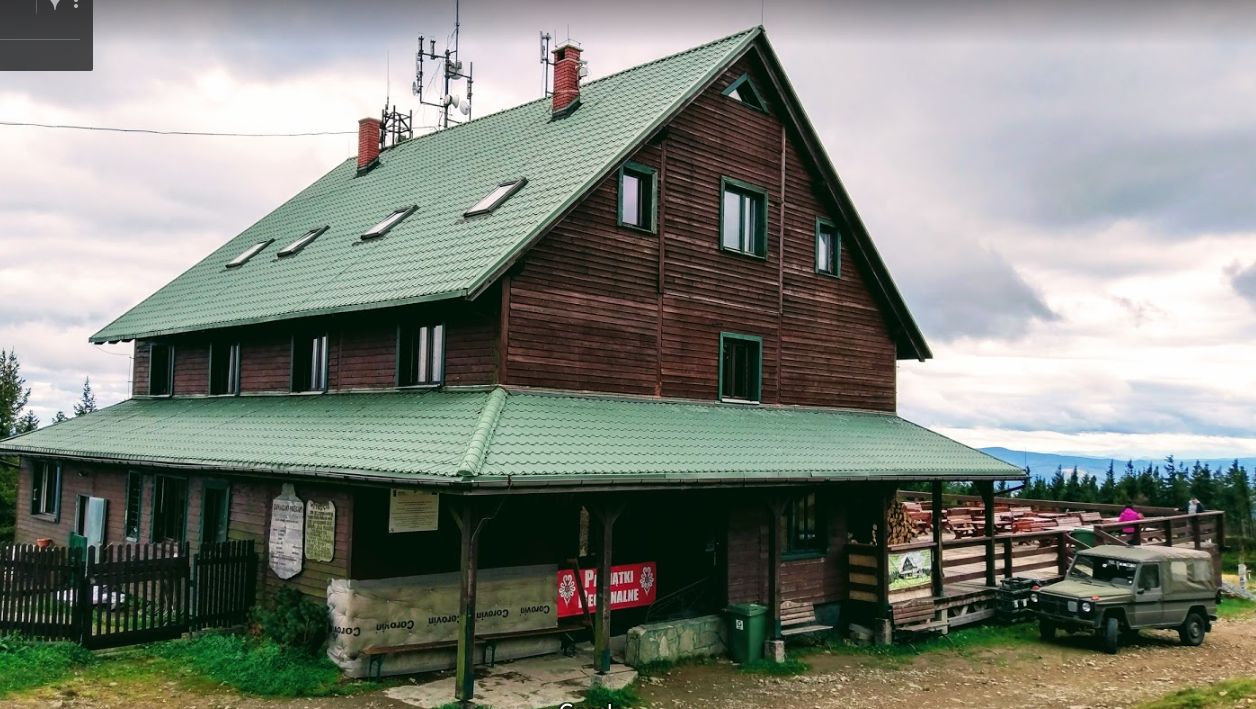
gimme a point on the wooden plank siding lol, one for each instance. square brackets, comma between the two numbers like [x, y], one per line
[817, 578]
[362, 350]
[596, 306]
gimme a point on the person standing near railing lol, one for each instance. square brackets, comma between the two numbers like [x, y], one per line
[1193, 507]
[1129, 514]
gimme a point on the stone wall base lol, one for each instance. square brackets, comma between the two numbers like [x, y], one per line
[704, 636]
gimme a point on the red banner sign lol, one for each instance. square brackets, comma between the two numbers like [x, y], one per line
[632, 585]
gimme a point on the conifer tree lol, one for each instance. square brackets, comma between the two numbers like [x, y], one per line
[87, 401]
[13, 393]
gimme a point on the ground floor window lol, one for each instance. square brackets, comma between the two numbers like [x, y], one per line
[46, 489]
[215, 511]
[804, 529]
[170, 508]
[134, 506]
[89, 519]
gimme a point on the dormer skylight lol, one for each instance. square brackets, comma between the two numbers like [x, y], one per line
[249, 253]
[302, 242]
[494, 199]
[744, 90]
[389, 222]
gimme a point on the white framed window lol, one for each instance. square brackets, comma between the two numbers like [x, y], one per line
[421, 355]
[46, 489]
[301, 242]
[309, 363]
[495, 197]
[389, 222]
[248, 253]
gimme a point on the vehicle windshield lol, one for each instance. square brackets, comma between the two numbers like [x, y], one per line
[1097, 568]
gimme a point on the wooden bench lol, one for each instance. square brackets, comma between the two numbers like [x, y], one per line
[800, 619]
[375, 655]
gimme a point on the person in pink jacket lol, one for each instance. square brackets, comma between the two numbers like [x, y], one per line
[1129, 514]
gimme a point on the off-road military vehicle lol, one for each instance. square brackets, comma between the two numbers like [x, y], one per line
[1114, 590]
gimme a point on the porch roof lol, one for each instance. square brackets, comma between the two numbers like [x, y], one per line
[519, 438]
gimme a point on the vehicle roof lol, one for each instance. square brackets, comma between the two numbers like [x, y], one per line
[1145, 553]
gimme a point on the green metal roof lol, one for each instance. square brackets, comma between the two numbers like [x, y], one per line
[521, 438]
[435, 253]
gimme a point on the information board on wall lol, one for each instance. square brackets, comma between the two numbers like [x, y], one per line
[413, 511]
[320, 530]
[287, 532]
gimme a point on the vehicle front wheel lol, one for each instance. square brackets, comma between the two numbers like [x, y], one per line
[1192, 630]
[1110, 635]
[1046, 630]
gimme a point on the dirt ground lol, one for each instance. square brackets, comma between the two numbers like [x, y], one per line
[1067, 673]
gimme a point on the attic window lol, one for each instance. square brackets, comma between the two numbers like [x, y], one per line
[248, 254]
[302, 242]
[389, 222]
[743, 90]
[494, 199]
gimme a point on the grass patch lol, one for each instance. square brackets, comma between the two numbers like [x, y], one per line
[1235, 608]
[601, 697]
[659, 668]
[1229, 693]
[791, 666]
[25, 664]
[964, 641]
[258, 667]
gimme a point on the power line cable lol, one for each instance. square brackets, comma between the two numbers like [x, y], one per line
[150, 131]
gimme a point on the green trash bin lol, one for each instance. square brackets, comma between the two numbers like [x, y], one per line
[747, 629]
[1085, 535]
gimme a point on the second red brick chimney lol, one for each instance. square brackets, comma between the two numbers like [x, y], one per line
[566, 78]
[368, 142]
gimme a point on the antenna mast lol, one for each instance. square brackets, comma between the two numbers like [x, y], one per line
[450, 68]
[546, 63]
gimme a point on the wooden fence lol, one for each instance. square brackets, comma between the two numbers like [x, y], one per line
[124, 594]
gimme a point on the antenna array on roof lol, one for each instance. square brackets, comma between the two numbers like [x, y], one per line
[450, 67]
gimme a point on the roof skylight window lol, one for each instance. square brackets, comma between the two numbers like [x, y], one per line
[494, 199]
[389, 222]
[302, 242]
[248, 254]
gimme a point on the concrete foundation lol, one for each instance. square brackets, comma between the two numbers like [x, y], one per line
[675, 640]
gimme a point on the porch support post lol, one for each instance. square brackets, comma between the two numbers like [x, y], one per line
[471, 516]
[987, 501]
[936, 514]
[883, 634]
[606, 511]
[776, 511]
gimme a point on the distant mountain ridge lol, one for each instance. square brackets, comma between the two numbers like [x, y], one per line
[1044, 464]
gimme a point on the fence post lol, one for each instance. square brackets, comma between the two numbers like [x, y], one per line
[1061, 552]
[82, 598]
[1007, 558]
[1168, 532]
[1195, 530]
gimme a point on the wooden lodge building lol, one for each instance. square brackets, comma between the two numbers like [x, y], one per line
[638, 327]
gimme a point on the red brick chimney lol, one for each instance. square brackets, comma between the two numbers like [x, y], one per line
[566, 78]
[368, 142]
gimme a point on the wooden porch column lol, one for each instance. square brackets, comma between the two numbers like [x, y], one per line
[471, 516]
[987, 500]
[607, 512]
[936, 571]
[776, 510]
[882, 542]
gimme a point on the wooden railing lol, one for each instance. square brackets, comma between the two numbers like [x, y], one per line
[1042, 505]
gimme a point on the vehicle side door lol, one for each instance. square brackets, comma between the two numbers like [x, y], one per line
[1149, 595]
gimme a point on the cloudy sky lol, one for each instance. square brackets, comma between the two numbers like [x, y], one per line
[1066, 196]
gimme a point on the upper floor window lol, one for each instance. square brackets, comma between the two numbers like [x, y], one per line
[160, 370]
[46, 489]
[743, 90]
[224, 368]
[828, 249]
[309, 363]
[741, 367]
[803, 528]
[421, 355]
[743, 218]
[389, 222]
[302, 242]
[637, 194]
[248, 253]
[496, 197]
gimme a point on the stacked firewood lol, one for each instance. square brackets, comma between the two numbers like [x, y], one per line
[899, 528]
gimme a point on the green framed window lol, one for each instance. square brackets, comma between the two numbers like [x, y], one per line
[134, 506]
[638, 195]
[804, 526]
[224, 368]
[745, 92]
[309, 363]
[743, 218]
[46, 490]
[170, 508]
[741, 367]
[828, 249]
[420, 355]
[160, 369]
[215, 511]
